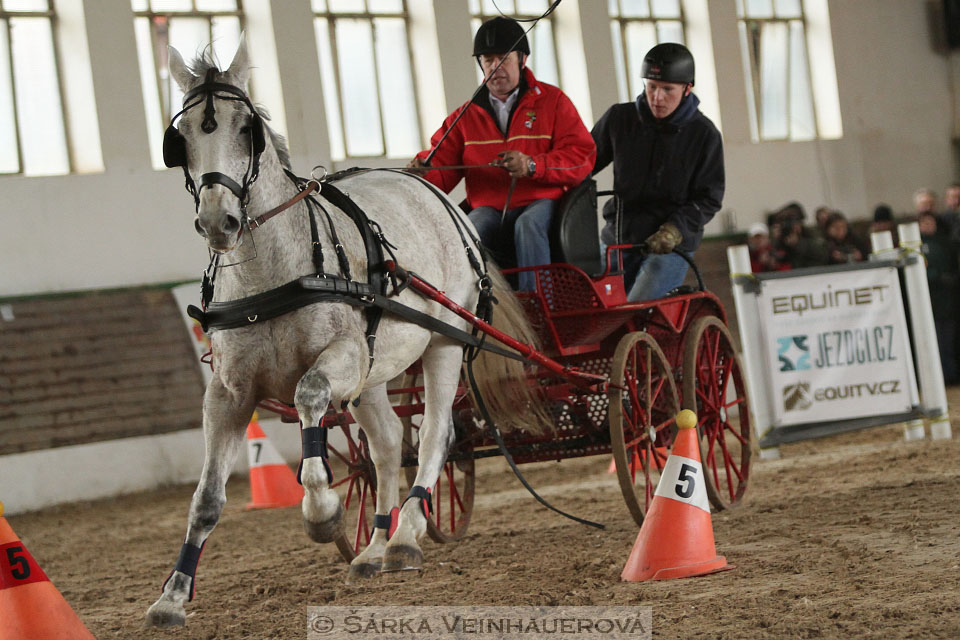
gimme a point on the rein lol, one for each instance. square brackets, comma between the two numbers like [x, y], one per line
[305, 191]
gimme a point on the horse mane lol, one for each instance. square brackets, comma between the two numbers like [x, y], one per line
[203, 63]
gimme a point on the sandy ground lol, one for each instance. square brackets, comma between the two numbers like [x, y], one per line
[849, 536]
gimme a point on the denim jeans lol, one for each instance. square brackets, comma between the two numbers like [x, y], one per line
[524, 230]
[652, 276]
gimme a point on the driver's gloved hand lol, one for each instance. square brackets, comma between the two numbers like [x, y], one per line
[665, 239]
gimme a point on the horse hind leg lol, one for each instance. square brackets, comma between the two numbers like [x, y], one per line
[441, 374]
[384, 433]
[223, 429]
[322, 511]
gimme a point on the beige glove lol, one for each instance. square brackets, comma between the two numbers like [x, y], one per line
[666, 238]
[416, 167]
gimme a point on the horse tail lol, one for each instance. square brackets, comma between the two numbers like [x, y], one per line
[512, 401]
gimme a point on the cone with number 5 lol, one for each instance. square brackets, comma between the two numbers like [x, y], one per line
[30, 606]
[272, 483]
[676, 538]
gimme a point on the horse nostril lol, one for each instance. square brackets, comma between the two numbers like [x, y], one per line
[199, 227]
[231, 225]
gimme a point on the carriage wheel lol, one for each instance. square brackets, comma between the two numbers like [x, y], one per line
[356, 481]
[643, 408]
[714, 388]
[453, 493]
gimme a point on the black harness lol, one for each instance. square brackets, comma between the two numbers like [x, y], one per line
[175, 145]
[327, 287]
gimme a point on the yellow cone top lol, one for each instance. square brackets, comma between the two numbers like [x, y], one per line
[686, 419]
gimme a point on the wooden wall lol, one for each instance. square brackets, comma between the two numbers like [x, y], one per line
[97, 366]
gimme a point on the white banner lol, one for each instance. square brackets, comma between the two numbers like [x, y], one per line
[836, 346]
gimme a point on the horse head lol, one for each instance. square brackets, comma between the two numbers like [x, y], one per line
[218, 142]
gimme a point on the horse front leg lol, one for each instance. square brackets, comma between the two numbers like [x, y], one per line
[441, 376]
[384, 433]
[224, 421]
[335, 374]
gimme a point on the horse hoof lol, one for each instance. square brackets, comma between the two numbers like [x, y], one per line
[402, 557]
[363, 571]
[326, 531]
[166, 614]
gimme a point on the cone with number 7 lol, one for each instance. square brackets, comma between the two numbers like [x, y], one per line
[272, 483]
[676, 538]
[30, 606]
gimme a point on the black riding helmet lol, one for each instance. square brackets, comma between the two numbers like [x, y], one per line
[668, 62]
[500, 35]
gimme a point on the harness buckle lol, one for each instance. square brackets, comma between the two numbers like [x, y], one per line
[252, 318]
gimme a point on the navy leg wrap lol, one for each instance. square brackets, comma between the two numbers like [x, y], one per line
[314, 441]
[187, 565]
[382, 521]
[426, 500]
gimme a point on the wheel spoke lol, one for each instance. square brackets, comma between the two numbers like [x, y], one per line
[728, 461]
[337, 453]
[350, 488]
[736, 434]
[635, 441]
[348, 478]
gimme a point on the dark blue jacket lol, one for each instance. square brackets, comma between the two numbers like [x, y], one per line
[667, 170]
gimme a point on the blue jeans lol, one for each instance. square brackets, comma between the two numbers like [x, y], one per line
[652, 276]
[524, 230]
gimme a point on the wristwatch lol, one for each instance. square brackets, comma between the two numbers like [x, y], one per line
[531, 167]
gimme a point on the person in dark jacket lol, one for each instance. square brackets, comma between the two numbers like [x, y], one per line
[943, 278]
[843, 245]
[667, 169]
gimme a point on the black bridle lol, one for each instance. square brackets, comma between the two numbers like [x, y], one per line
[175, 145]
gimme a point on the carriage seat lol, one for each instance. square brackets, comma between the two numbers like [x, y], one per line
[574, 237]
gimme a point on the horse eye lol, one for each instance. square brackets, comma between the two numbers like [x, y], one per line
[245, 129]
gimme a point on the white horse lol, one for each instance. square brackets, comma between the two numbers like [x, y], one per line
[318, 354]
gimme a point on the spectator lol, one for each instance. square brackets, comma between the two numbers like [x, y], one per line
[842, 244]
[943, 278]
[924, 201]
[763, 255]
[950, 218]
[951, 198]
[797, 250]
[820, 217]
[883, 221]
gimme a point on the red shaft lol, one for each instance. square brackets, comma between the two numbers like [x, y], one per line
[580, 378]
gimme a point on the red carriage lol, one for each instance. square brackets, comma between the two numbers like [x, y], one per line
[656, 357]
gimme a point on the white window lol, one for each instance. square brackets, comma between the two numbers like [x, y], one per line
[33, 126]
[368, 79]
[543, 47]
[189, 26]
[788, 63]
[637, 26]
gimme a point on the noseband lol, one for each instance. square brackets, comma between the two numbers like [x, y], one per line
[175, 145]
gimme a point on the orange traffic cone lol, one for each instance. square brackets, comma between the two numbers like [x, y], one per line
[30, 606]
[272, 483]
[676, 538]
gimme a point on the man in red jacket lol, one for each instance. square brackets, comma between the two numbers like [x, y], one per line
[516, 130]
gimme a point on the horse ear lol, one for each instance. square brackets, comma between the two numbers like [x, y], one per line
[178, 69]
[240, 67]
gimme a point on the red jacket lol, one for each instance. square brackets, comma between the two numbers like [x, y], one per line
[544, 125]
